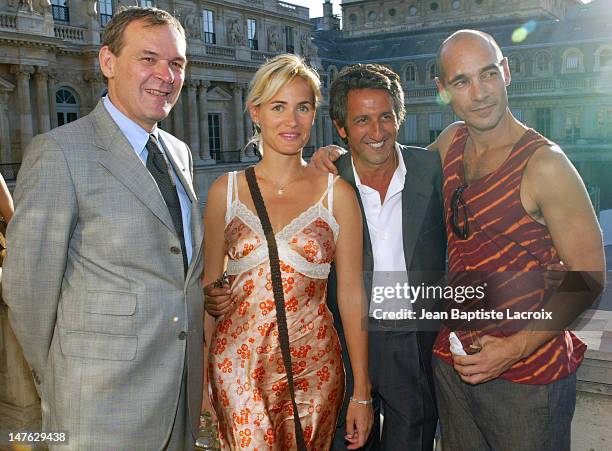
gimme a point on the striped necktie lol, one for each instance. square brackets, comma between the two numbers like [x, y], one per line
[158, 167]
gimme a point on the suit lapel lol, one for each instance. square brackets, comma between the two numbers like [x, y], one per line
[345, 169]
[179, 167]
[415, 198]
[119, 158]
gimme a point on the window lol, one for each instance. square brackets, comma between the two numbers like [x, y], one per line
[333, 73]
[433, 6]
[59, 10]
[353, 19]
[410, 129]
[605, 58]
[435, 126]
[66, 105]
[433, 71]
[413, 10]
[208, 26]
[572, 125]
[289, 45]
[543, 120]
[252, 34]
[146, 3]
[572, 61]
[214, 135]
[324, 80]
[542, 62]
[514, 63]
[106, 11]
[410, 73]
[604, 122]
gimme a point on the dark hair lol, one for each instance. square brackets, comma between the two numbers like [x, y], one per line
[114, 29]
[364, 76]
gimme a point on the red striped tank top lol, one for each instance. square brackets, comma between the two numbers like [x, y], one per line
[504, 239]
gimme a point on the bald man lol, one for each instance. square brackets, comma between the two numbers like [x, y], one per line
[513, 202]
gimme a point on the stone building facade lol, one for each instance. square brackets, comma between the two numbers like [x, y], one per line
[49, 72]
[560, 53]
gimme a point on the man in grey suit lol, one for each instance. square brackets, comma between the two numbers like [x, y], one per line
[104, 255]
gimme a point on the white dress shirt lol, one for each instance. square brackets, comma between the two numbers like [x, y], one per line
[386, 232]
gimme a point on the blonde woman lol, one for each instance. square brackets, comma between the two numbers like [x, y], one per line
[313, 219]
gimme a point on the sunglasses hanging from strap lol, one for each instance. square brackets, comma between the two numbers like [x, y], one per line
[279, 297]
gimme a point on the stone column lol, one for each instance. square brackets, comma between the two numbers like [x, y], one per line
[5, 132]
[329, 130]
[42, 94]
[192, 118]
[168, 122]
[203, 107]
[51, 76]
[96, 83]
[312, 141]
[239, 119]
[248, 132]
[25, 108]
[177, 118]
[319, 140]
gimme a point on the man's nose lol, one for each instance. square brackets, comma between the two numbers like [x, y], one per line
[477, 90]
[164, 72]
[377, 130]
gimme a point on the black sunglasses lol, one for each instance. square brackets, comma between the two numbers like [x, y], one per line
[458, 205]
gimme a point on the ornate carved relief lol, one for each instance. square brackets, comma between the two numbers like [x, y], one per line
[235, 33]
[274, 39]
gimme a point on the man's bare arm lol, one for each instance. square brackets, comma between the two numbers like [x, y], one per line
[554, 194]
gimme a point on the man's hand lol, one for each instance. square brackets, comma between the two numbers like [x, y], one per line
[217, 300]
[497, 355]
[323, 159]
[359, 420]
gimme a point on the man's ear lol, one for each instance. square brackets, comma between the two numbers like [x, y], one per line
[443, 94]
[440, 86]
[341, 130]
[107, 61]
[506, 71]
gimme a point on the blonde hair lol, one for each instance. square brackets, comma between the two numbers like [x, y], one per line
[272, 76]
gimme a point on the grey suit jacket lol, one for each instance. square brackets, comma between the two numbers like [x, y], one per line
[96, 289]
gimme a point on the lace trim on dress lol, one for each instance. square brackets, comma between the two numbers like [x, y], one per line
[317, 211]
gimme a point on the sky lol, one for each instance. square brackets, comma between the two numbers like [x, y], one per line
[316, 6]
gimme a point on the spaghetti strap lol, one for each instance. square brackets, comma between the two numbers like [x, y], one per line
[232, 190]
[330, 192]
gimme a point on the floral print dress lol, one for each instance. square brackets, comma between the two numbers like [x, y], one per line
[247, 377]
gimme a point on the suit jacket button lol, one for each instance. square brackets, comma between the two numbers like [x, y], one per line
[182, 335]
[175, 250]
